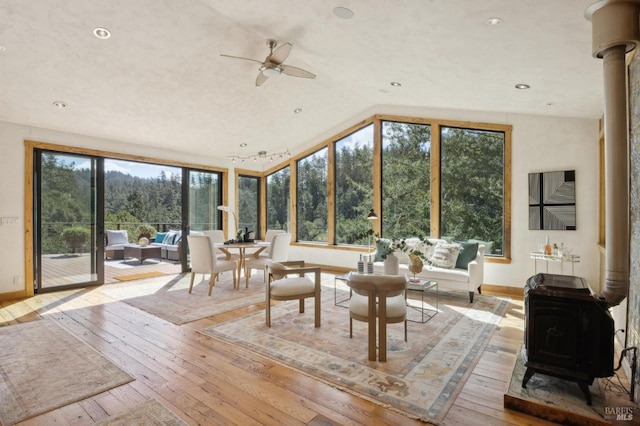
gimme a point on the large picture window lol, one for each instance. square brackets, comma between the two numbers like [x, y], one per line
[472, 186]
[406, 176]
[353, 185]
[278, 187]
[248, 203]
[423, 178]
[312, 211]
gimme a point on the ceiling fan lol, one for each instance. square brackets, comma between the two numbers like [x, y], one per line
[273, 65]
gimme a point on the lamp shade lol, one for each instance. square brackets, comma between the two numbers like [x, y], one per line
[372, 215]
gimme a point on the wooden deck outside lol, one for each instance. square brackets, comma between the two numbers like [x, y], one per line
[63, 269]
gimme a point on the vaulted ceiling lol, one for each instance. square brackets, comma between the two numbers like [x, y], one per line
[160, 79]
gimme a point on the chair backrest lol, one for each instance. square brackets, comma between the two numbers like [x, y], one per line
[379, 285]
[202, 261]
[117, 237]
[216, 235]
[279, 248]
[271, 233]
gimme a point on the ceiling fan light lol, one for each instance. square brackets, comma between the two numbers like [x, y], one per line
[271, 71]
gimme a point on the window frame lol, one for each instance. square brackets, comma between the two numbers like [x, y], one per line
[377, 177]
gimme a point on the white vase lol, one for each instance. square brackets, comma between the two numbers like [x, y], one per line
[391, 265]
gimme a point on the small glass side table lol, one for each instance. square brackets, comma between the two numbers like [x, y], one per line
[344, 303]
[422, 287]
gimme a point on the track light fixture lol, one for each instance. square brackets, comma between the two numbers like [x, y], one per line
[260, 155]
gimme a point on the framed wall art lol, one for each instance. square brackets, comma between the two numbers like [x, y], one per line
[552, 200]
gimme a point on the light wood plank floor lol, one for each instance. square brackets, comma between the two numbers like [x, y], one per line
[211, 383]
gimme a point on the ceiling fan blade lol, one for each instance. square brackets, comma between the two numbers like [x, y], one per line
[296, 72]
[280, 54]
[239, 57]
[261, 79]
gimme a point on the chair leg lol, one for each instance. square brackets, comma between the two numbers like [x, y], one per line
[267, 310]
[470, 297]
[211, 280]
[193, 275]
[350, 327]
[405, 330]
[372, 338]
[302, 306]
[316, 309]
[382, 340]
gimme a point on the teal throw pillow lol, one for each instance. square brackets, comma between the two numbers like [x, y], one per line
[468, 252]
[160, 237]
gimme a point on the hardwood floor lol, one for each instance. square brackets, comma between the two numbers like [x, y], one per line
[208, 382]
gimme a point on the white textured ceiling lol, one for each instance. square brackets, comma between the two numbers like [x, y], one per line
[160, 80]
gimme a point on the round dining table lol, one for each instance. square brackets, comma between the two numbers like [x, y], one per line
[256, 248]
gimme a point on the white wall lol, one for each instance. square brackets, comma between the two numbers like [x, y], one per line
[538, 144]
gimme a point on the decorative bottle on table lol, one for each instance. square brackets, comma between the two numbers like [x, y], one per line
[360, 265]
[547, 247]
[369, 265]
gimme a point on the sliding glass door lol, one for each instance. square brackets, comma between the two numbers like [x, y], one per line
[67, 212]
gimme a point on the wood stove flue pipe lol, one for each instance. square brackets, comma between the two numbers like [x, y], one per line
[615, 30]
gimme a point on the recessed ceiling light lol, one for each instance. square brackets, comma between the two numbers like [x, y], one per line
[101, 33]
[493, 21]
[342, 12]
[243, 144]
[297, 110]
[395, 84]
[59, 104]
[522, 86]
[2, 48]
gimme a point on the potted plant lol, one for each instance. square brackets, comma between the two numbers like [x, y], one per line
[146, 232]
[75, 237]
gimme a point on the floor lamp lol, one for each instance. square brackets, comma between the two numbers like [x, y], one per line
[370, 217]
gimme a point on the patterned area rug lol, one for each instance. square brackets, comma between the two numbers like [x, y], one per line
[43, 367]
[150, 413]
[421, 377]
[168, 296]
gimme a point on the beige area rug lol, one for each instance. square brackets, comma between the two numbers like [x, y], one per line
[421, 377]
[168, 296]
[149, 413]
[44, 367]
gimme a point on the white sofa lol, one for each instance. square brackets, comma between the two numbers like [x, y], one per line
[456, 278]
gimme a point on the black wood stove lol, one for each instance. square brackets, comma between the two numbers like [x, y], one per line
[568, 332]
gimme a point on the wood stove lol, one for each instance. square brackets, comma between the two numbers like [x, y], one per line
[568, 332]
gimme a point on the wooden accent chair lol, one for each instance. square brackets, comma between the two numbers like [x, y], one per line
[203, 261]
[282, 287]
[278, 252]
[378, 297]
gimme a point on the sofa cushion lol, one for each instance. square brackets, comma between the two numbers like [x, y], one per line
[160, 237]
[170, 238]
[115, 237]
[442, 274]
[445, 255]
[468, 252]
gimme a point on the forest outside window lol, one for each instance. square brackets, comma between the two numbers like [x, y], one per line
[353, 185]
[406, 179]
[312, 206]
[278, 199]
[472, 186]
